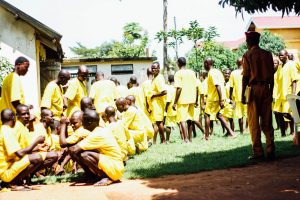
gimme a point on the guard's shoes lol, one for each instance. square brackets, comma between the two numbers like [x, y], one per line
[256, 157]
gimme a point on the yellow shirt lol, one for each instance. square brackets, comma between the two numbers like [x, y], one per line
[104, 93]
[22, 135]
[40, 130]
[53, 99]
[236, 81]
[171, 92]
[121, 135]
[277, 81]
[8, 147]
[78, 135]
[103, 141]
[75, 92]
[287, 75]
[204, 87]
[132, 119]
[11, 91]
[157, 86]
[122, 91]
[187, 81]
[215, 77]
[137, 92]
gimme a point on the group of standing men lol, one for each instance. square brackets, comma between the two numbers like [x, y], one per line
[101, 129]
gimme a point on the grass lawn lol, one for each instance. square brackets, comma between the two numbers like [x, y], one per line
[181, 158]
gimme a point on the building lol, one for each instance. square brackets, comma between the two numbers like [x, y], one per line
[121, 68]
[287, 27]
[22, 35]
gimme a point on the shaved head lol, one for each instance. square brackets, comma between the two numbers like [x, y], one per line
[208, 63]
[82, 73]
[133, 79]
[121, 104]
[63, 77]
[110, 111]
[7, 115]
[76, 119]
[83, 69]
[130, 100]
[90, 119]
[86, 103]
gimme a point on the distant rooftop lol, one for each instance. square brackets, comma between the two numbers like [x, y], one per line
[234, 44]
[274, 22]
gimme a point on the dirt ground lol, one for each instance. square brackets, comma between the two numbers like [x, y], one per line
[267, 180]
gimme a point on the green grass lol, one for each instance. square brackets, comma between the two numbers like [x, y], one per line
[200, 155]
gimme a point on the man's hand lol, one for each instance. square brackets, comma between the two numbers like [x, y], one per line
[221, 104]
[196, 105]
[65, 107]
[233, 104]
[174, 106]
[40, 139]
[64, 120]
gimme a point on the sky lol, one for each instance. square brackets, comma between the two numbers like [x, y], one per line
[92, 22]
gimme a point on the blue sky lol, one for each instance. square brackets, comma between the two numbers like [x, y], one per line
[92, 22]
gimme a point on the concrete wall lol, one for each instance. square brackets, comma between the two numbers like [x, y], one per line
[139, 69]
[17, 39]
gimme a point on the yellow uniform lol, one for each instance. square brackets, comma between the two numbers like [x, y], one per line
[276, 90]
[53, 99]
[121, 135]
[236, 80]
[215, 77]
[10, 165]
[22, 135]
[228, 109]
[11, 91]
[133, 121]
[187, 81]
[171, 113]
[147, 123]
[55, 139]
[40, 130]
[137, 92]
[287, 75]
[104, 93]
[158, 103]
[146, 88]
[110, 159]
[75, 92]
[78, 135]
[122, 91]
[197, 110]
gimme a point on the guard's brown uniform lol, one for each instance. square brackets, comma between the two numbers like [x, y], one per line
[259, 68]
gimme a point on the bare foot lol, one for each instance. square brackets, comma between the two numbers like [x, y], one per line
[104, 182]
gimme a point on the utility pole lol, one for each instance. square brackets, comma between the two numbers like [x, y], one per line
[165, 27]
[176, 44]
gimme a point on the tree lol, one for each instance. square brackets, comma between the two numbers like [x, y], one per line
[5, 68]
[135, 39]
[253, 6]
[268, 41]
[222, 56]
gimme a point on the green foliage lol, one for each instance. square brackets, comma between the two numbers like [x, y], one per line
[253, 6]
[268, 41]
[134, 42]
[222, 56]
[194, 32]
[5, 68]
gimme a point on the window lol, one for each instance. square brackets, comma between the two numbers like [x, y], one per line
[121, 69]
[73, 70]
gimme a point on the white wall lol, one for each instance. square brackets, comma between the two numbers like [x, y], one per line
[17, 39]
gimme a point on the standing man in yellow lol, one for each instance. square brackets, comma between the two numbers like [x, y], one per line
[157, 101]
[53, 94]
[185, 99]
[103, 93]
[287, 84]
[258, 73]
[146, 89]
[236, 81]
[137, 92]
[215, 97]
[12, 92]
[76, 91]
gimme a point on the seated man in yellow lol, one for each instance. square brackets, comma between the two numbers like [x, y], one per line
[76, 91]
[67, 140]
[158, 101]
[12, 92]
[130, 100]
[136, 91]
[186, 98]
[215, 97]
[133, 121]
[53, 94]
[103, 93]
[16, 163]
[121, 134]
[99, 152]
[42, 128]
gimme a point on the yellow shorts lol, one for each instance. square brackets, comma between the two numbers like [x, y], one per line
[158, 111]
[239, 110]
[112, 167]
[15, 169]
[197, 111]
[245, 110]
[212, 107]
[227, 111]
[170, 121]
[185, 112]
[131, 149]
[281, 106]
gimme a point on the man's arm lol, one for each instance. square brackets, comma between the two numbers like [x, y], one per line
[159, 94]
[220, 96]
[244, 85]
[63, 132]
[197, 96]
[30, 148]
[294, 87]
[178, 92]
